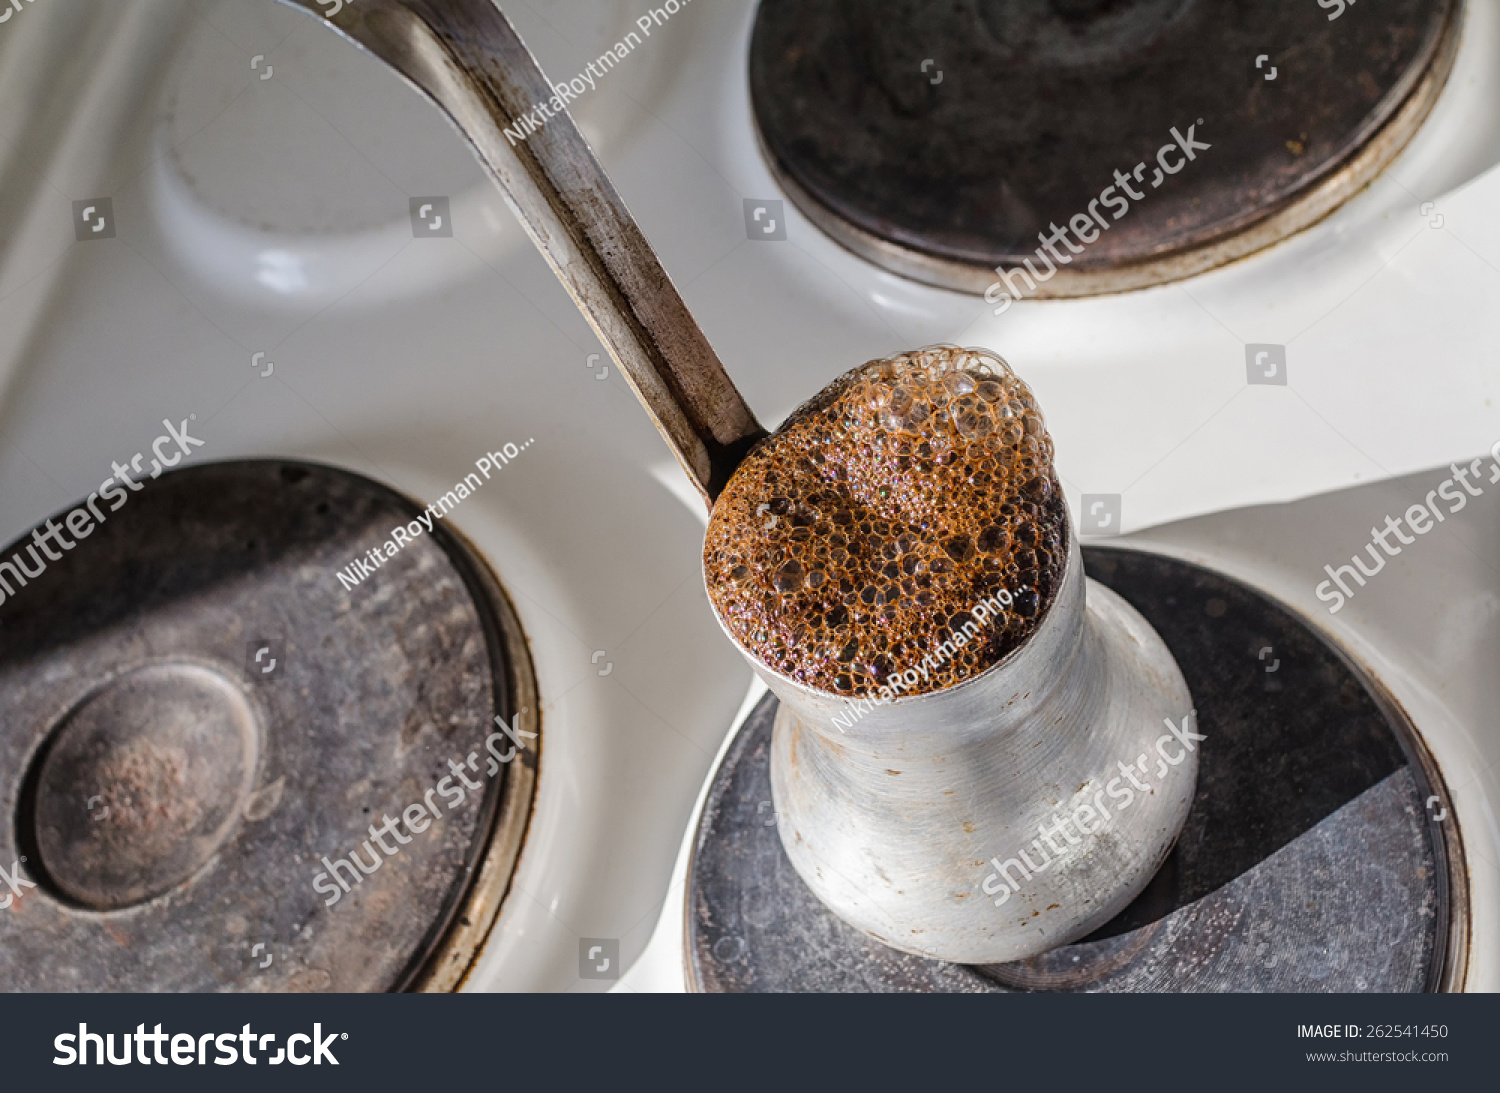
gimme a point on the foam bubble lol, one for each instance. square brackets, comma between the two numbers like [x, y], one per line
[904, 494]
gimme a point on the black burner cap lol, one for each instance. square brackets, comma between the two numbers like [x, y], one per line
[942, 139]
[200, 716]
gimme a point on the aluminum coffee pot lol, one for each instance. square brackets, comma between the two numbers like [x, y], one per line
[1003, 816]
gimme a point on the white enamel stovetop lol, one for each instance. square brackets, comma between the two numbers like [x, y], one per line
[265, 210]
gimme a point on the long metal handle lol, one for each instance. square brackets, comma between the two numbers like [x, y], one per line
[467, 58]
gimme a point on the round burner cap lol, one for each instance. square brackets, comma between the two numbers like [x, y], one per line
[1113, 144]
[207, 728]
[164, 758]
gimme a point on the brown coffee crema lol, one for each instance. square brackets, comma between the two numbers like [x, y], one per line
[858, 538]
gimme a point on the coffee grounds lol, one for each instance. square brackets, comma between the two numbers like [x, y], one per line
[858, 537]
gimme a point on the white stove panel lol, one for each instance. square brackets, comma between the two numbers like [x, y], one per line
[262, 207]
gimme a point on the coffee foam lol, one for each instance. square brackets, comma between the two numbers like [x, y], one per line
[858, 538]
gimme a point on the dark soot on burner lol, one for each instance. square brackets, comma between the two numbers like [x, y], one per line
[859, 537]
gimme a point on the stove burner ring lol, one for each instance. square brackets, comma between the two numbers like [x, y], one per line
[942, 142]
[174, 792]
[1308, 861]
[1077, 33]
[166, 757]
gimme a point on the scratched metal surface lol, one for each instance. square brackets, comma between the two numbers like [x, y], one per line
[378, 687]
[958, 131]
[1308, 862]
